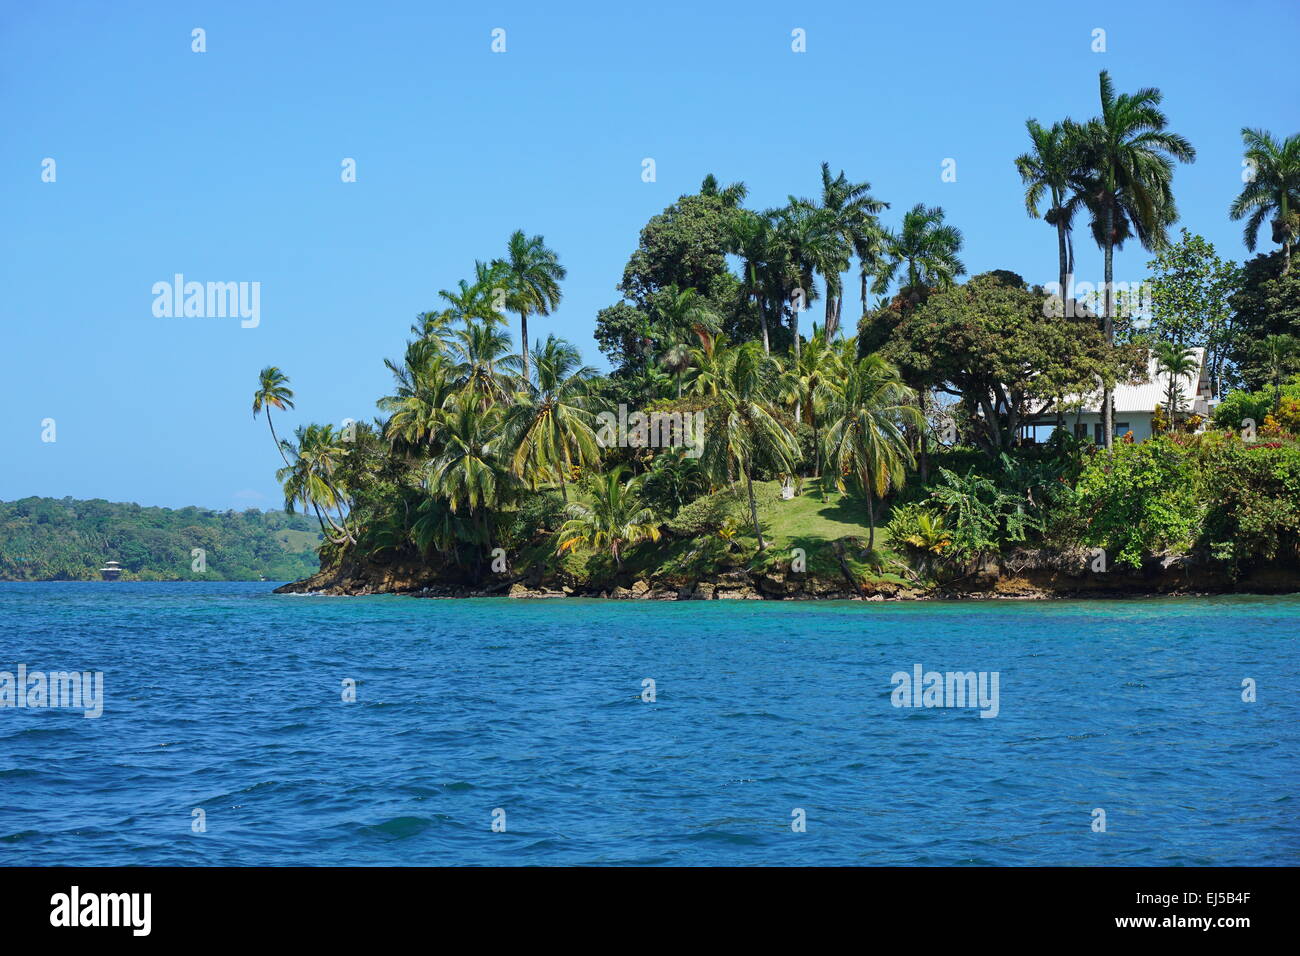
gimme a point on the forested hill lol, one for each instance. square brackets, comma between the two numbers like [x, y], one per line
[53, 539]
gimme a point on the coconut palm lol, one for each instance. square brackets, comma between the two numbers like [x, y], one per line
[308, 478]
[866, 438]
[532, 274]
[272, 392]
[616, 519]
[1049, 171]
[927, 247]
[547, 429]
[424, 386]
[743, 428]
[1176, 362]
[484, 365]
[1126, 176]
[1272, 189]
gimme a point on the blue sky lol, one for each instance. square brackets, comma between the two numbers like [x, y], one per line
[225, 166]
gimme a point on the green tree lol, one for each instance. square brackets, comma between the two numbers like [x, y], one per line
[616, 518]
[272, 392]
[532, 274]
[1127, 181]
[1049, 171]
[1191, 294]
[1272, 189]
[926, 248]
[1176, 362]
[743, 428]
[865, 437]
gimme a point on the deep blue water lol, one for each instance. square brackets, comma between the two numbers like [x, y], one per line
[228, 698]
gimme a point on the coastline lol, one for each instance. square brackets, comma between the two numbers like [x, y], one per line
[1022, 576]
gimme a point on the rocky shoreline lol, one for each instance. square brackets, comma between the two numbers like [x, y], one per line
[1020, 575]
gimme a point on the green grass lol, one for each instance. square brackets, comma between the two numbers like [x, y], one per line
[298, 542]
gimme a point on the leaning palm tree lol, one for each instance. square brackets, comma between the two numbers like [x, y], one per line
[547, 429]
[1272, 190]
[616, 518]
[309, 478]
[866, 438]
[926, 248]
[1049, 171]
[1176, 362]
[272, 392]
[1126, 176]
[743, 429]
[532, 274]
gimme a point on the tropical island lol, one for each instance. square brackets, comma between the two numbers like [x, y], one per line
[969, 436]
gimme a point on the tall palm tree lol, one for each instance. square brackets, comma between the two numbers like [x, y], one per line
[1126, 176]
[866, 437]
[812, 379]
[744, 428]
[812, 246]
[1050, 171]
[1273, 190]
[547, 429]
[853, 212]
[927, 247]
[272, 392]
[532, 273]
[749, 236]
[1176, 362]
[616, 518]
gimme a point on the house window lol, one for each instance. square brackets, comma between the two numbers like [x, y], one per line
[1120, 429]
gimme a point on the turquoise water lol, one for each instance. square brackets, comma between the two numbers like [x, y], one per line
[227, 698]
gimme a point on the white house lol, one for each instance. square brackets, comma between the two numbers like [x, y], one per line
[1134, 406]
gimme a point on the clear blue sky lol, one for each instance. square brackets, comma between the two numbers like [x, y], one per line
[225, 166]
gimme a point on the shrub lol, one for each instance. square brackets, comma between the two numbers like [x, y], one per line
[1135, 500]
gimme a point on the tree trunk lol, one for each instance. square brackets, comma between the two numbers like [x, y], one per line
[1108, 324]
[276, 438]
[753, 512]
[1065, 268]
[523, 331]
[871, 517]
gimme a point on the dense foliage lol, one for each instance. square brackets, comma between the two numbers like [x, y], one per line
[51, 539]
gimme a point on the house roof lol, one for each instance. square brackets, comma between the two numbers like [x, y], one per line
[1146, 396]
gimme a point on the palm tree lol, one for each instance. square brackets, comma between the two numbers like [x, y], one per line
[272, 392]
[744, 428]
[309, 478]
[927, 247]
[1273, 190]
[1176, 362]
[812, 380]
[852, 211]
[532, 273]
[547, 430]
[749, 236]
[1049, 171]
[866, 438]
[732, 196]
[425, 383]
[811, 245]
[1126, 175]
[616, 518]
[1279, 353]
[484, 363]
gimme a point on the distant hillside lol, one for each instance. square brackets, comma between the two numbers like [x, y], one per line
[53, 539]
